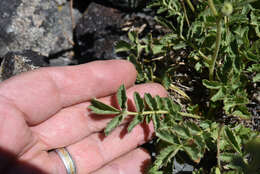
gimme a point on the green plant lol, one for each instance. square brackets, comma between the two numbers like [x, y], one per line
[177, 132]
[222, 38]
[221, 42]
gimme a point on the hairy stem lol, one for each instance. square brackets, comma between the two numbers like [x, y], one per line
[218, 145]
[215, 55]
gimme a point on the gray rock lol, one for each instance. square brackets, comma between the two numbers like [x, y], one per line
[14, 63]
[97, 31]
[102, 26]
[178, 167]
[7, 11]
[38, 25]
[126, 4]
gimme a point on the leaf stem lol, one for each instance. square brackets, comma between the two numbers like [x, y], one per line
[163, 112]
[184, 114]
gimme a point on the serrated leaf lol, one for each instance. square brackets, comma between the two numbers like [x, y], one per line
[200, 142]
[132, 35]
[242, 112]
[181, 131]
[98, 107]
[193, 128]
[137, 119]
[227, 157]
[157, 49]
[254, 68]
[122, 46]
[156, 121]
[165, 155]
[159, 102]
[220, 95]
[179, 46]
[171, 105]
[121, 97]
[166, 136]
[113, 124]
[211, 84]
[139, 103]
[148, 118]
[234, 161]
[150, 101]
[193, 153]
[172, 108]
[231, 137]
[256, 78]
[138, 66]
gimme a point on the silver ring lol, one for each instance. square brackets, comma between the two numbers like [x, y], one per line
[67, 160]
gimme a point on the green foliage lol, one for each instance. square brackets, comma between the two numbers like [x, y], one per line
[177, 133]
[226, 45]
[221, 42]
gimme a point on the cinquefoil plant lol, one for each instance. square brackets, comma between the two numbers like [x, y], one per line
[222, 38]
[221, 41]
[179, 132]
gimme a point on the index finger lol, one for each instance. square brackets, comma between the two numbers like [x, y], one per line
[43, 92]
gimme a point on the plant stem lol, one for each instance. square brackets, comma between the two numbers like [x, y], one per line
[212, 7]
[215, 55]
[185, 13]
[218, 145]
[163, 112]
[218, 38]
[184, 114]
[190, 5]
[200, 53]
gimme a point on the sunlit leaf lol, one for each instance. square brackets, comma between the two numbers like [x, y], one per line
[113, 124]
[98, 107]
[139, 103]
[231, 138]
[121, 97]
[150, 101]
[137, 119]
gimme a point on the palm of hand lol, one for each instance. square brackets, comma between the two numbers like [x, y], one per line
[47, 109]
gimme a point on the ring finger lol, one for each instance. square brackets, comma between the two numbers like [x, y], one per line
[134, 162]
[96, 150]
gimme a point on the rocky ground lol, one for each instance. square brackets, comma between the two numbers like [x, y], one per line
[46, 28]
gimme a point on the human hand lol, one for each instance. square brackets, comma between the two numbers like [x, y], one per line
[46, 109]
